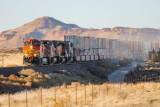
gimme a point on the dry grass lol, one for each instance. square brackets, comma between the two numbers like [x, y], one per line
[12, 60]
[105, 95]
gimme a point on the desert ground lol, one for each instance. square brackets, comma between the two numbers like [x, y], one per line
[11, 59]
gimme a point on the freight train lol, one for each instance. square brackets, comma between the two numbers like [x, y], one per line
[78, 49]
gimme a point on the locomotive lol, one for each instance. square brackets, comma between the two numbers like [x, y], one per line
[31, 50]
[47, 52]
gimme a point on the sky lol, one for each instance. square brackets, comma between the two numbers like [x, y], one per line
[84, 13]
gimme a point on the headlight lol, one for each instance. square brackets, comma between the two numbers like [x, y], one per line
[31, 47]
[34, 55]
[25, 55]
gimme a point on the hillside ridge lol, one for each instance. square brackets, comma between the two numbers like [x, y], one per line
[49, 28]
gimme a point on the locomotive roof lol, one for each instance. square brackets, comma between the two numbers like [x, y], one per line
[32, 40]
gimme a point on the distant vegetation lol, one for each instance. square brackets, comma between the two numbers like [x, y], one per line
[144, 74]
[154, 56]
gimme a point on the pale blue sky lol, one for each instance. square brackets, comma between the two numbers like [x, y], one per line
[85, 13]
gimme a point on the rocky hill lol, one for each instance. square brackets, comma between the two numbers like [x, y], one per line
[51, 29]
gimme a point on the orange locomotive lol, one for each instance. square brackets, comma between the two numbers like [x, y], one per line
[31, 50]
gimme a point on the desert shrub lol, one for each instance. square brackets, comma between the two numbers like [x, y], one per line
[27, 72]
[12, 77]
[2, 77]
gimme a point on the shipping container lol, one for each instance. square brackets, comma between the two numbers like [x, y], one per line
[95, 43]
[104, 43]
[82, 43]
[86, 40]
[103, 52]
[91, 42]
[95, 51]
[100, 52]
[136, 45]
[125, 45]
[87, 52]
[82, 52]
[131, 46]
[107, 43]
[75, 40]
[91, 52]
[121, 45]
[96, 57]
[147, 47]
[107, 51]
[110, 44]
[100, 43]
[114, 44]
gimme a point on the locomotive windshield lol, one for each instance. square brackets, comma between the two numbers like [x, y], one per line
[27, 43]
[36, 43]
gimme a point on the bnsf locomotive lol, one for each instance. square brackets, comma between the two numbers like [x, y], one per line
[47, 51]
[31, 50]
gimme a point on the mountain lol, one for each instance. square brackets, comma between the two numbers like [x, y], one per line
[48, 28]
